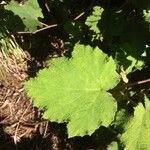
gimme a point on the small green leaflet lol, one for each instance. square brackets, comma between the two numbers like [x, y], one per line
[93, 20]
[28, 12]
[137, 130]
[75, 90]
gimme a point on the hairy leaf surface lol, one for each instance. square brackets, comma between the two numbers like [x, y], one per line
[28, 12]
[137, 130]
[75, 90]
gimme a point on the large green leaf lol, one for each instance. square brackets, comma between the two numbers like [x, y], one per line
[28, 12]
[137, 130]
[75, 90]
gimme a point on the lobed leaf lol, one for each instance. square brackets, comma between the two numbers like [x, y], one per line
[75, 90]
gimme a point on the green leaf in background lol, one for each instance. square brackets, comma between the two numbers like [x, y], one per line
[28, 12]
[147, 15]
[93, 19]
[135, 64]
[113, 146]
[137, 130]
[75, 90]
[122, 116]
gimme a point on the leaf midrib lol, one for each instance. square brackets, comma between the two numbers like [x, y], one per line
[71, 89]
